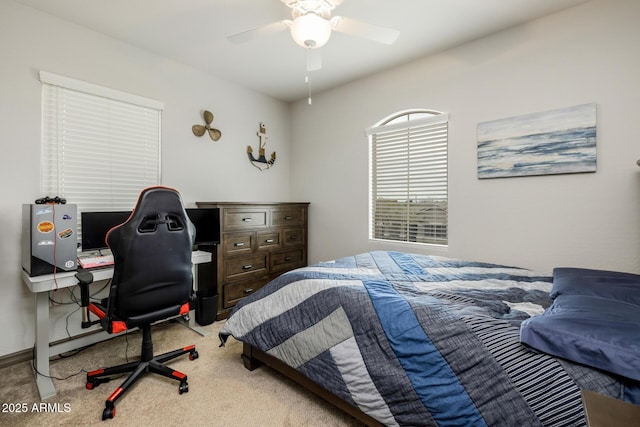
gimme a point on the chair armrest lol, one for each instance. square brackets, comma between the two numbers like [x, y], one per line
[85, 278]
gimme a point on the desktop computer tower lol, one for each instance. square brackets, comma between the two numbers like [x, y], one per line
[49, 238]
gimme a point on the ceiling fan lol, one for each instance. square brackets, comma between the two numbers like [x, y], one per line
[312, 25]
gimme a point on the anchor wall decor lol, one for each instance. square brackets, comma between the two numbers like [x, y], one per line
[199, 130]
[261, 162]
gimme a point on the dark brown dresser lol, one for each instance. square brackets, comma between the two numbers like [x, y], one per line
[258, 242]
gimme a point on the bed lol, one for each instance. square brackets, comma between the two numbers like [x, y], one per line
[404, 339]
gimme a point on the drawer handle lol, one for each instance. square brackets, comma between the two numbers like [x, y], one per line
[247, 219]
[289, 258]
[288, 218]
[269, 241]
[248, 290]
[293, 237]
[247, 267]
[238, 244]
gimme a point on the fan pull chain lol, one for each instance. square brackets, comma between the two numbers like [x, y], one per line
[306, 78]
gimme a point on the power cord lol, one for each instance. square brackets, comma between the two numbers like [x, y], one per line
[33, 365]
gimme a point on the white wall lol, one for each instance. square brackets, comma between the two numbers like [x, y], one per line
[582, 55]
[201, 169]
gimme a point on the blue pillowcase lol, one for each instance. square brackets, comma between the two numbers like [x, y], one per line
[594, 320]
[624, 287]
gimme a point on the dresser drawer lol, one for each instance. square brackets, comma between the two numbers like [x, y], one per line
[234, 292]
[237, 268]
[237, 243]
[287, 216]
[293, 237]
[233, 219]
[268, 239]
[285, 261]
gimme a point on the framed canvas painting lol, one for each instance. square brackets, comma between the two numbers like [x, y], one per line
[553, 142]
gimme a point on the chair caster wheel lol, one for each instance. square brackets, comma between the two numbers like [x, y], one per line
[194, 355]
[184, 388]
[108, 412]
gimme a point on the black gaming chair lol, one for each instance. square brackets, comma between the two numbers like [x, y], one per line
[152, 281]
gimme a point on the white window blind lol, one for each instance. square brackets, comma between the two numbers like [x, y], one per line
[408, 180]
[100, 147]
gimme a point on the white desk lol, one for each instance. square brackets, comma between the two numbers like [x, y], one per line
[41, 285]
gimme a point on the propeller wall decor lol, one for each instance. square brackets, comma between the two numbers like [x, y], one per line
[199, 130]
[311, 25]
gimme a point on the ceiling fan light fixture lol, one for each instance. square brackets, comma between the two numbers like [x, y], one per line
[310, 31]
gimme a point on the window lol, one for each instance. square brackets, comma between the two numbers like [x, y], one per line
[408, 178]
[100, 147]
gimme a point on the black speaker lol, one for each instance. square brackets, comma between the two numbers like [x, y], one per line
[206, 307]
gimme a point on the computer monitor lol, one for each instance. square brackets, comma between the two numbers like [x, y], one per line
[95, 225]
[207, 224]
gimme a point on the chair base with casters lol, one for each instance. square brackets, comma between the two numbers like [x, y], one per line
[147, 363]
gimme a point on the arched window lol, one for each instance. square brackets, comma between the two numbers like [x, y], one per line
[408, 178]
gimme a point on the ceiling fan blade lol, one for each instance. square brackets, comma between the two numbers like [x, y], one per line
[364, 30]
[263, 30]
[314, 60]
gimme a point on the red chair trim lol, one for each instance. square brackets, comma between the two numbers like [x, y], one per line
[184, 309]
[97, 311]
[118, 326]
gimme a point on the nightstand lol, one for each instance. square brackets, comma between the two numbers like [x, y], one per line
[605, 411]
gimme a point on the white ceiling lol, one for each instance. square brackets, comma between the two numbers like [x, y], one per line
[194, 32]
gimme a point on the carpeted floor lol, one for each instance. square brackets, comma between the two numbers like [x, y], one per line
[221, 391]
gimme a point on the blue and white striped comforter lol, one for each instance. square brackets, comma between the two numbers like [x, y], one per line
[418, 340]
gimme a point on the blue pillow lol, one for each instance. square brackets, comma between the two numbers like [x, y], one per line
[594, 320]
[596, 332]
[623, 287]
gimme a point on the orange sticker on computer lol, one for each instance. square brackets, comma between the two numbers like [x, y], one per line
[65, 233]
[45, 227]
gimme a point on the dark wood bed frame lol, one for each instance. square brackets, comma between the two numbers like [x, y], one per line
[254, 358]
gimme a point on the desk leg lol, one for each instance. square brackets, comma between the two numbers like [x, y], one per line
[44, 383]
[193, 325]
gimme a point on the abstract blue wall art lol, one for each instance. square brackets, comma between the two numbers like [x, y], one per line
[552, 142]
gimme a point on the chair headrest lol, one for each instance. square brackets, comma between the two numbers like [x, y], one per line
[156, 205]
[158, 199]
